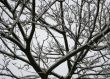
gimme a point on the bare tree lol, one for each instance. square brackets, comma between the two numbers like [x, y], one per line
[37, 36]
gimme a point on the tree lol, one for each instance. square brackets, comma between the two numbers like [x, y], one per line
[37, 36]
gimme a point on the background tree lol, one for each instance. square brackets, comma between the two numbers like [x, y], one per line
[38, 36]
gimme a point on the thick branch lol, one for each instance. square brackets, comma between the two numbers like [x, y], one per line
[86, 46]
[14, 56]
